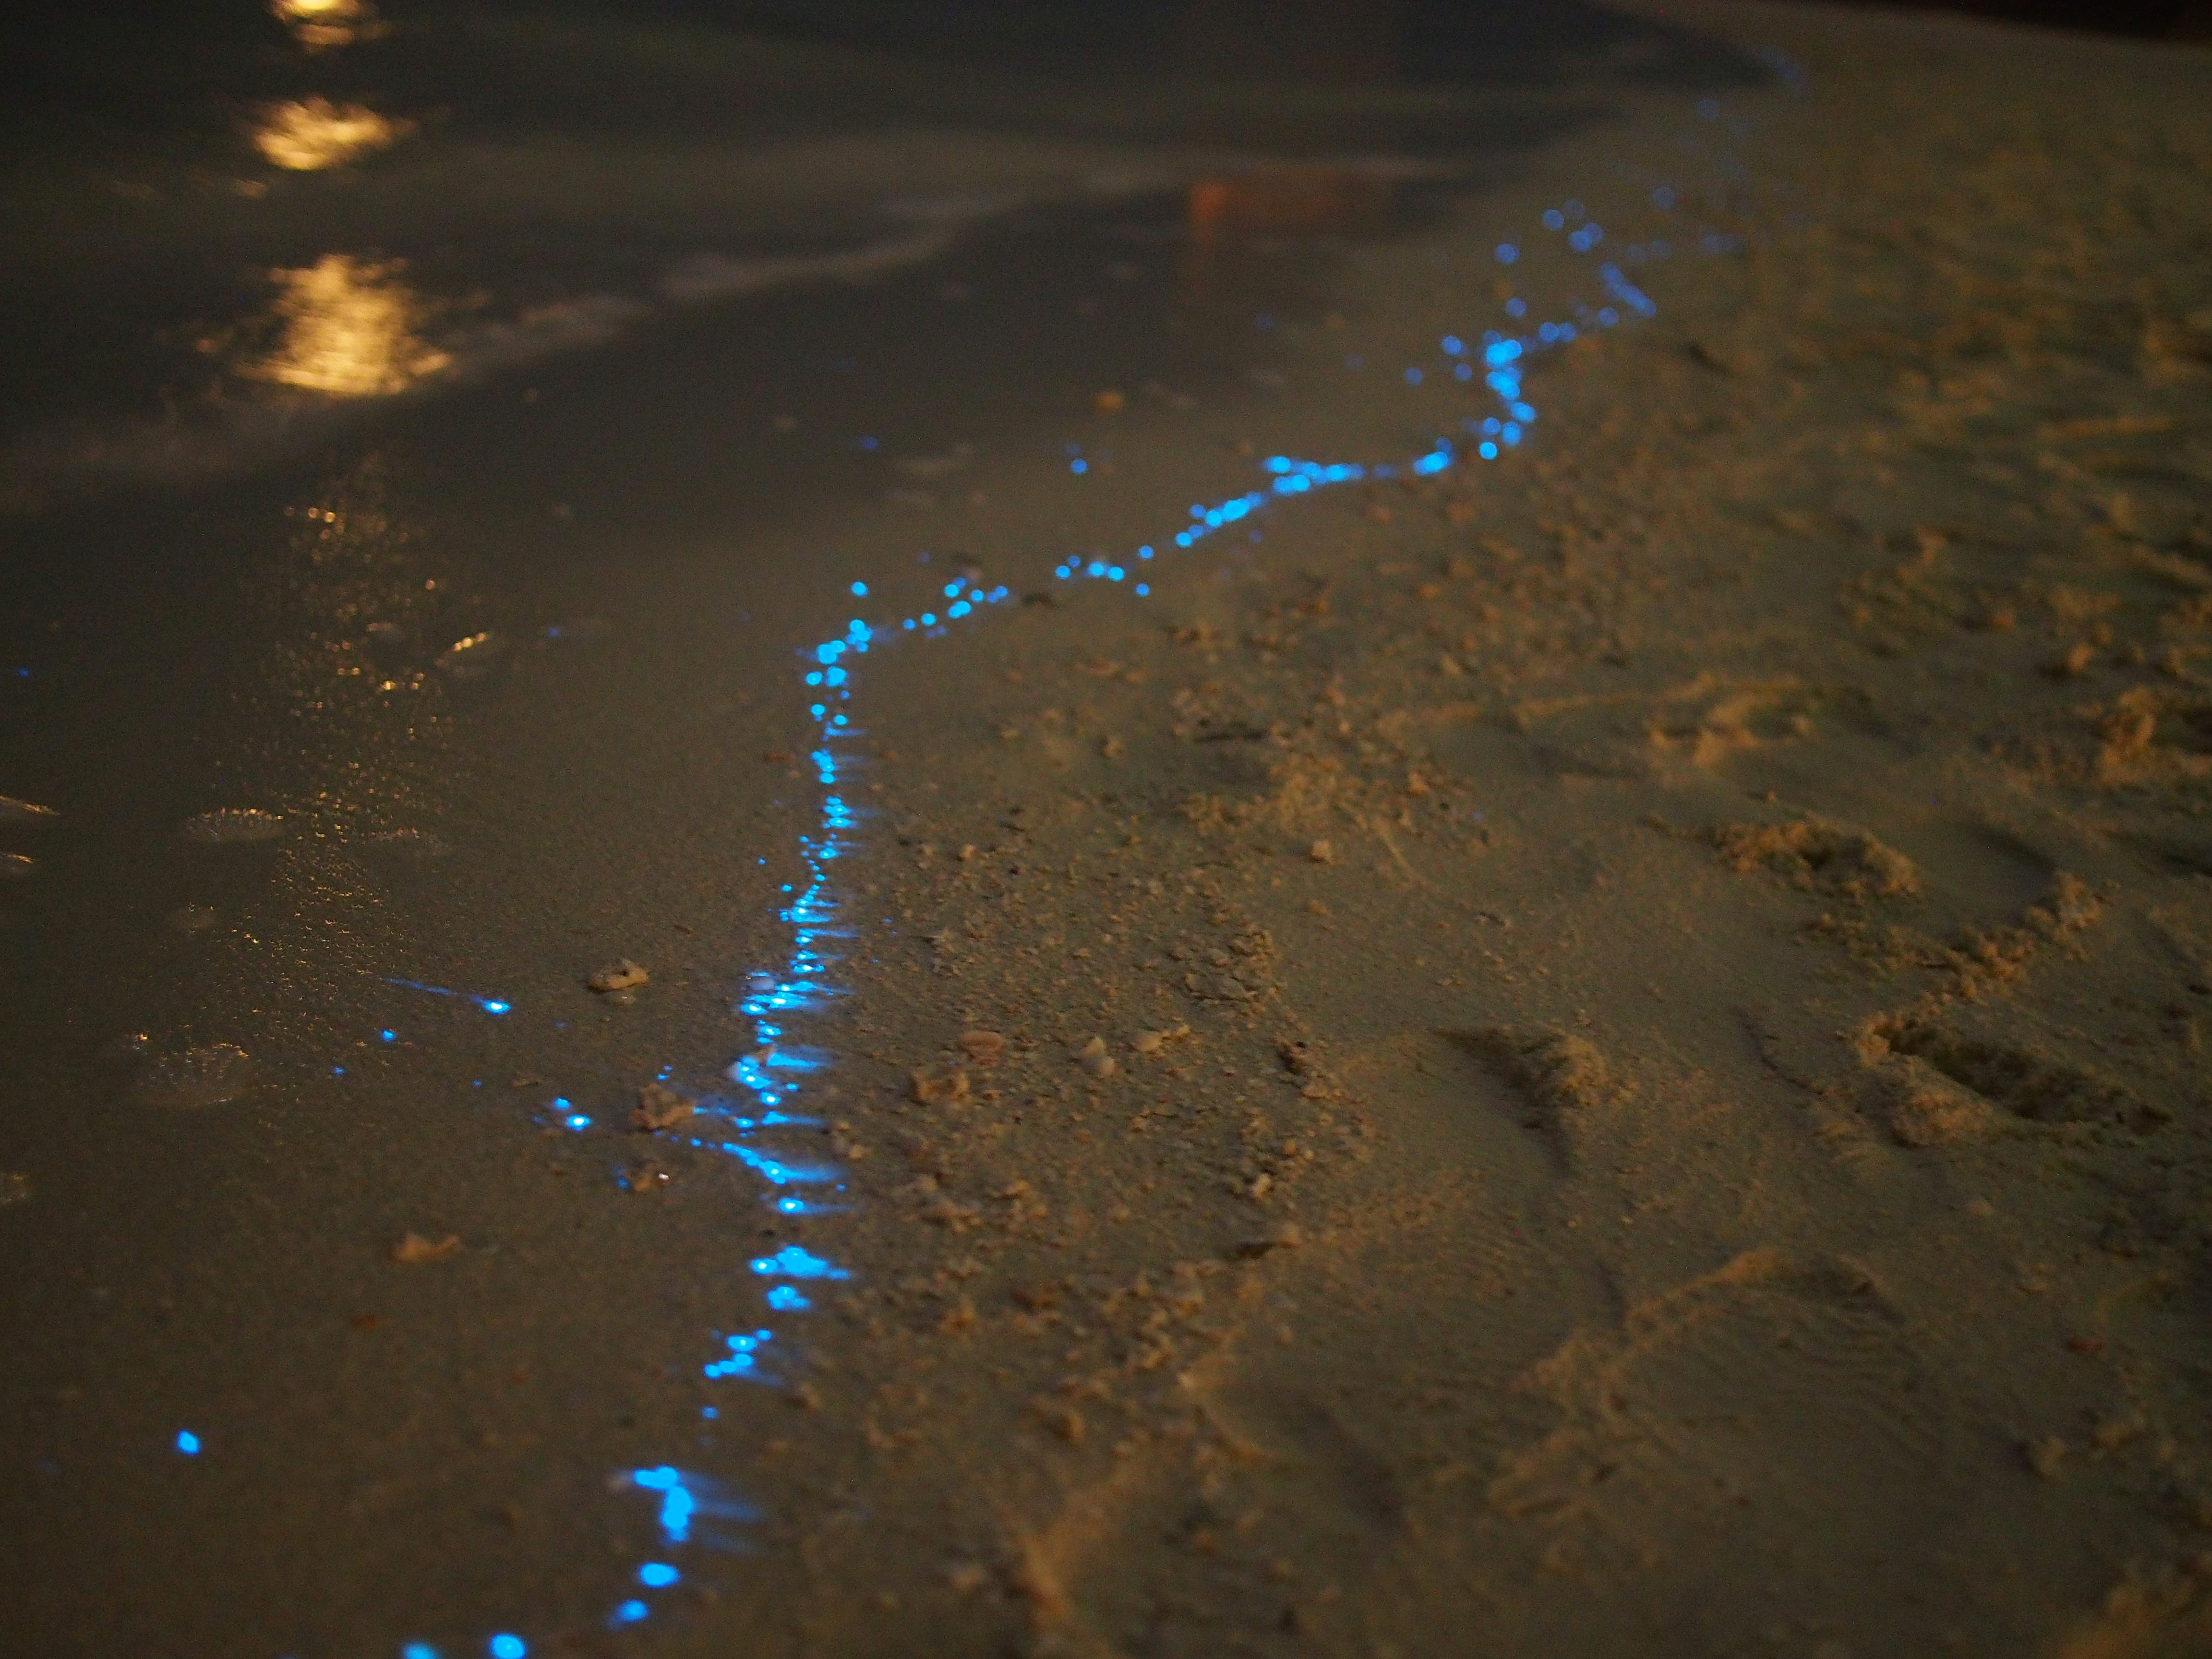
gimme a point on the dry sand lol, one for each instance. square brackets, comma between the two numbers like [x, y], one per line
[1605, 1055]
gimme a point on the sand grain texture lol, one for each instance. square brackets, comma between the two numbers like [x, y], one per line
[1733, 1080]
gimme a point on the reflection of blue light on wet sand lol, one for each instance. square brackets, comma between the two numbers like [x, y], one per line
[693, 1510]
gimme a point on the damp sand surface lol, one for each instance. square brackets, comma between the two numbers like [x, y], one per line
[1604, 1055]
[1594, 1054]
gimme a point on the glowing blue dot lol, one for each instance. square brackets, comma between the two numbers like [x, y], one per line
[1412, 377]
[419, 1650]
[1144, 552]
[497, 1007]
[188, 1442]
[1114, 572]
[929, 619]
[389, 1036]
[859, 590]
[814, 678]
[338, 1070]
[1489, 451]
[1517, 307]
[1079, 465]
[504, 1646]
[657, 1575]
[1507, 253]
[1453, 345]
[1553, 219]
[1463, 371]
[832, 676]
[909, 624]
[958, 608]
[632, 1612]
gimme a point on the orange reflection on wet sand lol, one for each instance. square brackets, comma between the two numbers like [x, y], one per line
[1307, 201]
[349, 330]
[319, 23]
[315, 133]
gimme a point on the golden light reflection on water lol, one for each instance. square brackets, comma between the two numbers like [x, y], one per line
[349, 330]
[316, 24]
[315, 133]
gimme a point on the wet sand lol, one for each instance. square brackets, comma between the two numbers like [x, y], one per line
[1592, 1053]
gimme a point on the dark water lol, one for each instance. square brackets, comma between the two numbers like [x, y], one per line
[463, 505]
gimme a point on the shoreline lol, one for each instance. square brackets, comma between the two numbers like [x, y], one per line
[1524, 1060]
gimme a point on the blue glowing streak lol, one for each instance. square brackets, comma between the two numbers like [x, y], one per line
[489, 1005]
[419, 1650]
[774, 1070]
[795, 1261]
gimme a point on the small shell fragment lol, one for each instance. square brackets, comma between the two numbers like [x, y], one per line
[414, 1249]
[621, 975]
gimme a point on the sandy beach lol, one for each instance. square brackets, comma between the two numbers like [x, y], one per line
[1601, 1055]
[1568, 1019]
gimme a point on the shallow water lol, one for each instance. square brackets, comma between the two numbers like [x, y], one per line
[416, 561]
